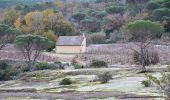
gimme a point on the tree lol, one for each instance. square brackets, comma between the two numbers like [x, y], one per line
[47, 12]
[166, 4]
[17, 23]
[58, 3]
[151, 5]
[159, 10]
[59, 25]
[40, 22]
[28, 19]
[112, 23]
[115, 9]
[100, 14]
[50, 35]
[78, 16]
[160, 14]
[143, 31]
[96, 38]
[31, 47]
[90, 25]
[37, 23]
[9, 16]
[7, 35]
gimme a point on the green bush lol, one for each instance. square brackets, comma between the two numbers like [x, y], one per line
[77, 66]
[104, 78]
[66, 81]
[146, 83]
[98, 64]
[6, 71]
[41, 66]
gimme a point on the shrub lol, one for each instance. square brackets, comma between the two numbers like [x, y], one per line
[58, 62]
[162, 83]
[66, 81]
[98, 63]
[6, 71]
[104, 78]
[151, 57]
[53, 66]
[77, 66]
[146, 83]
[41, 66]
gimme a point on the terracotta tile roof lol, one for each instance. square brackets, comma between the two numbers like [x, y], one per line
[70, 40]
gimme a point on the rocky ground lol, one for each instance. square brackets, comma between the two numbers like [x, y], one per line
[44, 85]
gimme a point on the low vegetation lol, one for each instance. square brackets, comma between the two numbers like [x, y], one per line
[66, 81]
[77, 66]
[162, 83]
[41, 66]
[7, 72]
[146, 83]
[105, 77]
[98, 64]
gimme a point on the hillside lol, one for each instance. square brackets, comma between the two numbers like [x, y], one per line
[8, 3]
[84, 49]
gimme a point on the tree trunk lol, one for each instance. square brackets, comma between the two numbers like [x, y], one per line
[29, 65]
[143, 59]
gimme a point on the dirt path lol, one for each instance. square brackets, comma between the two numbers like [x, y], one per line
[74, 95]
